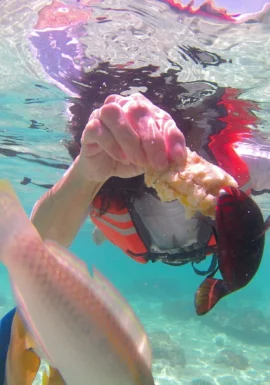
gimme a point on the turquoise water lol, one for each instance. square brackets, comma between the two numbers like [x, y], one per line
[231, 345]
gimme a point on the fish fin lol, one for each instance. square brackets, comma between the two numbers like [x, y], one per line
[123, 311]
[22, 364]
[45, 378]
[32, 338]
[208, 294]
[6, 187]
[29, 342]
[265, 228]
[98, 236]
[14, 223]
[55, 378]
[266, 225]
[31, 365]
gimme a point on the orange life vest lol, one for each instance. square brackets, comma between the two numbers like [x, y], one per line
[118, 227]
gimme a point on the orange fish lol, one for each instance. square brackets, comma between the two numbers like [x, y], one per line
[22, 362]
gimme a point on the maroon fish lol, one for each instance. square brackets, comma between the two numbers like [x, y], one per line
[240, 236]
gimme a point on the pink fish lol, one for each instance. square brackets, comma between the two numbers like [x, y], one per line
[80, 323]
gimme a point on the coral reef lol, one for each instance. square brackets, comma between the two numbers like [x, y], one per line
[231, 358]
[164, 348]
[180, 309]
[247, 324]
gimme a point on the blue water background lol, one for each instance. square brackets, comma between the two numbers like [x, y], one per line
[162, 296]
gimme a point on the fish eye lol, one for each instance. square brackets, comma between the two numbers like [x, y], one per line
[64, 10]
[222, 192]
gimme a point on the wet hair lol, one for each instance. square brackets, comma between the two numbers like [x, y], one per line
[163, 89]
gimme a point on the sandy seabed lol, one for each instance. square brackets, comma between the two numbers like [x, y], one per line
[192, 351]
[188, 350]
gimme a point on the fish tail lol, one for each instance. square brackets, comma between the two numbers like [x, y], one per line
[55, 378]
[266, 226]
[208, 294]
[45, 378]
[14, 222]
[22, 363]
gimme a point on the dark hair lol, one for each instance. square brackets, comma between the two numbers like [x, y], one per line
[183, 101]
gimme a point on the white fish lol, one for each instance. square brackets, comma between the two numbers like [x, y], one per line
[81, 324]
[98, 236]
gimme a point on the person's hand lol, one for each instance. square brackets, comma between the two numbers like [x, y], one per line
[126, 136]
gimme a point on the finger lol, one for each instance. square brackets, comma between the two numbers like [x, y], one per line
[129, 171]
[175, 142]
[114, 98]
[138, 97]
[123, 100]
[156, 112]
[140, 118]
[91, 149]
[97, 133]
[114, 118]
[94, 114]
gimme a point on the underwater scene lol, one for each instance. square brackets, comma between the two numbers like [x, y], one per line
[207, 64]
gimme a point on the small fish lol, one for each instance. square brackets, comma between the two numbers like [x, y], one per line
[80, 324]
[98, 236]
[201, 382]
[53, 378]
[22, 363]
[240, 236]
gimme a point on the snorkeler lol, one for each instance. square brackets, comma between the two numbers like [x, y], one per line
[124, 135]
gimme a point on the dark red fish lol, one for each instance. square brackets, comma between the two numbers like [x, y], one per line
[240, 236]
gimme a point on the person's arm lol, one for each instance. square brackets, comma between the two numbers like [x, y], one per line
[59, 214]
[124, 137]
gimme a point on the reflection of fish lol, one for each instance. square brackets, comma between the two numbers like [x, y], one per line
[80, 324]
[240, 235]
[60, 14]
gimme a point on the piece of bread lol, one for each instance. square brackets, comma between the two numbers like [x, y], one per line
[196, 185]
